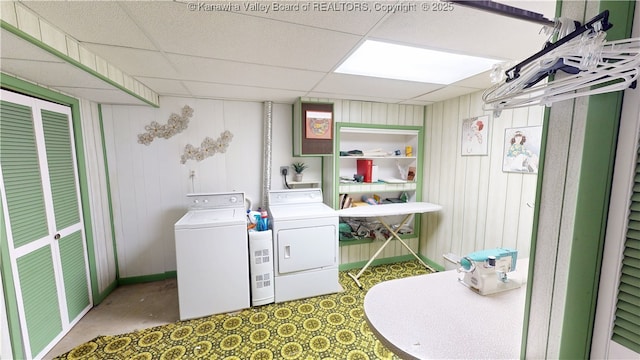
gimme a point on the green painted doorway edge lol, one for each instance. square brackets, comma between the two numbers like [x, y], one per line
[595, 179]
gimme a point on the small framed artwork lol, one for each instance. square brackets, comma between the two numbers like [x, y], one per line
[475, 138]
[313, 127]
[318, 124]
[522, 149]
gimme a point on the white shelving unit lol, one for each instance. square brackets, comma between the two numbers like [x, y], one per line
[386, 146]
[381, 144]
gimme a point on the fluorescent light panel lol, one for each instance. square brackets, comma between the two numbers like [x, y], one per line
[392, 61]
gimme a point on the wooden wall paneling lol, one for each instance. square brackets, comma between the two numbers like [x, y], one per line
[513, 203]
[529, 186]
[345, 254]
[471, 173]
[151, 226]
[432, 173]
[392, 113]
[342, 112]
[483, 170]
[483, 206]
[97, 183]
[366, 114]
[461, 192]
[418, 115]
[355, 112]
[350, 251]
[443, 240]
[447, 174]
[497, 184]
[118, 169]
[378, 113]
[145, 183]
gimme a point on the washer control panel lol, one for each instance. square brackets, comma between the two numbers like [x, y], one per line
[215, 200]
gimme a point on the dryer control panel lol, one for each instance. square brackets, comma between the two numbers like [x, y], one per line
[295, 196]
[215, 200]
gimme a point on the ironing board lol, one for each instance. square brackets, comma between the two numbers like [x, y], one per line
[382, 210]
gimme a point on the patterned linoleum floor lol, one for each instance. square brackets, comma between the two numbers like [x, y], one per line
[324, 327]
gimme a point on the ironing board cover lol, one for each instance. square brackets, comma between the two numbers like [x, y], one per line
[389, 209]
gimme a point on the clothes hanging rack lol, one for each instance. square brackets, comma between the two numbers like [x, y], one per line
[600, 22]
[590, 65]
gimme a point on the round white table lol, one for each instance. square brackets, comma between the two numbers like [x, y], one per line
[433, 316]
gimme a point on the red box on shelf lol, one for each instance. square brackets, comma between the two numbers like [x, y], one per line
[364, 167]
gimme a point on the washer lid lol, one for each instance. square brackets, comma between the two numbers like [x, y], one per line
[211, 217]
[301, 211]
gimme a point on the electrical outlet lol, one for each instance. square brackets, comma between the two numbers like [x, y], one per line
[284, 170]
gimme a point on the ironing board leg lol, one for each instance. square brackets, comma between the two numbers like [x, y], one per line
[393, 234]
[355, 277]
[407, 246]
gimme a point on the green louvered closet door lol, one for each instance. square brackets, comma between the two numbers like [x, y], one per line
[42, 212]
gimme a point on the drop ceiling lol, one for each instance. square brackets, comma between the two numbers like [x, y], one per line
[260, 56]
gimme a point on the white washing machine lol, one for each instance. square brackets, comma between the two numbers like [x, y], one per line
[212, 255]
[305, 242]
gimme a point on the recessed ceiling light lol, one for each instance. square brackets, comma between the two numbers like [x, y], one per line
[393, 61]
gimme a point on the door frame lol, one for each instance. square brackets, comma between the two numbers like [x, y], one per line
[11, 306]
[623, 180]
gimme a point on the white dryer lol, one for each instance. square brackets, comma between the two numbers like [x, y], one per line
[305, 241]
[212, 255]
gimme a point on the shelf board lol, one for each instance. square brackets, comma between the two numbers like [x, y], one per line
[378, 157]
[378, 131]
[378, 186]
[305, 182]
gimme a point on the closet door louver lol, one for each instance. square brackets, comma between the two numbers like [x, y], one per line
[61, 168]
[21, 172]
[626, 330]
[45, 231]
[28, 223]
[64, 194]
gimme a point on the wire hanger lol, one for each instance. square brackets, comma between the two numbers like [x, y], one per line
[589, 64]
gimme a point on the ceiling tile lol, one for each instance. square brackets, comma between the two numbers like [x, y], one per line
[376, 87]
[217, 91]
[238, 37]
[446, 93]
[231, 72]
[252, 55]
[464, 30]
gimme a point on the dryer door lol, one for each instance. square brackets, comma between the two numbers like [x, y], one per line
[306, 248]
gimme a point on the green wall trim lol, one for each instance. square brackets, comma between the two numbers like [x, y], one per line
[109, 197]
[23, 35]
[147, 278]
[27, 88]
[97, 299]
[592, 203]
[534, 233]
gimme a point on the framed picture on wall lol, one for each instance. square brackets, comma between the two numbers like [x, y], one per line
[475, 138]
[522, 149]
[319, 124]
